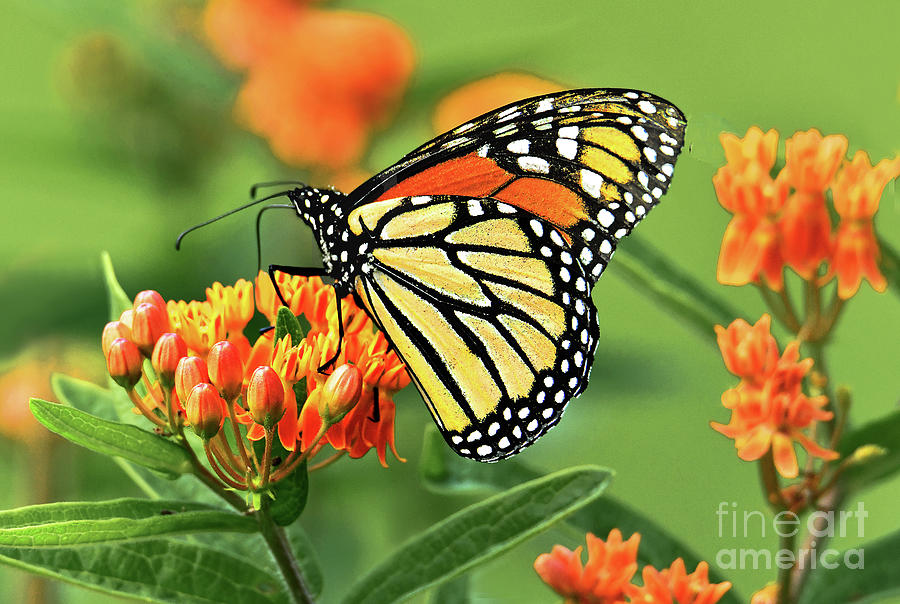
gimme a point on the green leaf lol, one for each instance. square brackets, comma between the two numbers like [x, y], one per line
[154, 570]
[306, 557]
[890, 266]
[285, 323]
[479, 532]
[112, 405]
[444, 471]
[883, 432]
[118, 299]
[864, 574]
[290, 496]
[76, 523]
[112, 438]
[651, 273]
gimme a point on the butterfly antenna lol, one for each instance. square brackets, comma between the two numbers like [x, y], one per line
[273, 183]
[258, 223]
[228, 213]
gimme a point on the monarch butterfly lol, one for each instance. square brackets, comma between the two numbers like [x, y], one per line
[476, 253]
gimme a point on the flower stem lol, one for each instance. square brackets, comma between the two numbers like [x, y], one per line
[139, 404]
[283, 554]
[327, 462]
[239, 442]
[786, 575]
[215, 466]
[769, 478]
[267, 456]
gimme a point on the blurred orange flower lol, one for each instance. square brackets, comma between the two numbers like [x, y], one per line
[766, 595]
[481, 96]
[768, 409]
[674, 586]
[857, 191]
[785, 221]
[318, 81]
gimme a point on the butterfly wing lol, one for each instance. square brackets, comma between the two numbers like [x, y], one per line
[488, 309]
[590, 162]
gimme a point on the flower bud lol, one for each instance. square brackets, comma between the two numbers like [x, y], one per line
[149, 296]
[265, 396]
[148, 324]
[340, 393]
[113, 330]
[124, 363]
[226, 370]
[205, 411]
[169, 350]
[127, 318]
[190, 372]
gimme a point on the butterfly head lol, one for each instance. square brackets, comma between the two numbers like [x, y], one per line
[322, 210]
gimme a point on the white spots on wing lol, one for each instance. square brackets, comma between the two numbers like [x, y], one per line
[505, 208]
[647, 107]
[566, 257]
[546, 251]
[568, 132]
[650, 153]
[520, 146]
[532, 425]
[588, 234]
[586, 255]
[544, 123]
[620, 233]
[493, 428]
[523, 412]
[572, 109]
[631, 95]
[507, 129]
[672, 122]
[548, 381]
[640, 133]
[667, 169]
[605, 247]
[456, 439]
[464, 127]
[657, 192]
[503, 443]
[483, 150]
[567, 147]
[579, 306]
[484, 450]
[625, 120]
[564, 274]
[517, 432]
[605, 217]
[419, 200]
[475, 435]
[537, 227]
[643, 179]
[530, 163]
[640, 210]
[667, 150]
[580, 284]
[591, 183]
[544, 105]
[475, 208]
[629, 216]
[578, 358]
[556, 238]
[547, 413]
[560, 397]
[540, 397]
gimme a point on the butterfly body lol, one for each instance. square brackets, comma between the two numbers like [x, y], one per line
[476, 253]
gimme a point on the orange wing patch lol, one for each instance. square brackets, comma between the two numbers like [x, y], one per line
[470, 175]
[550, 200]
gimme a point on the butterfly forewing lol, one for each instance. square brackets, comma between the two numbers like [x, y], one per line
[590, 162]
[488, 308]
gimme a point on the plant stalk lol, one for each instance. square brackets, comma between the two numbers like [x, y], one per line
[283, 554]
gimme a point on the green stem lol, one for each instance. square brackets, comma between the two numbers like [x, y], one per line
[786, 575]
[769, 478]
[283, 554]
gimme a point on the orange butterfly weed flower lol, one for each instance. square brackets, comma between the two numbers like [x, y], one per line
[674, 585]
[769, 411]
[749, 352]
[481, 96]
[603, 580]
[318, 82]
[857, 191]
[757, 147]
[751, 246]
[811, 161]
[201, 324]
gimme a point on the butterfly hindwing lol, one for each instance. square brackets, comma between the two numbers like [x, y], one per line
[489, 310]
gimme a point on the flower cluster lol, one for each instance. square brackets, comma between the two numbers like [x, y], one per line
[611, 566]
[769, 410]
[785, 221]
[318, 81]
[206, 373]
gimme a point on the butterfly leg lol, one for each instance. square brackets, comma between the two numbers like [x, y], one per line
[340, 321]
[298, 271]
[376, 410]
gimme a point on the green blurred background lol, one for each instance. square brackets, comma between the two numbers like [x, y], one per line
[108, 171]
